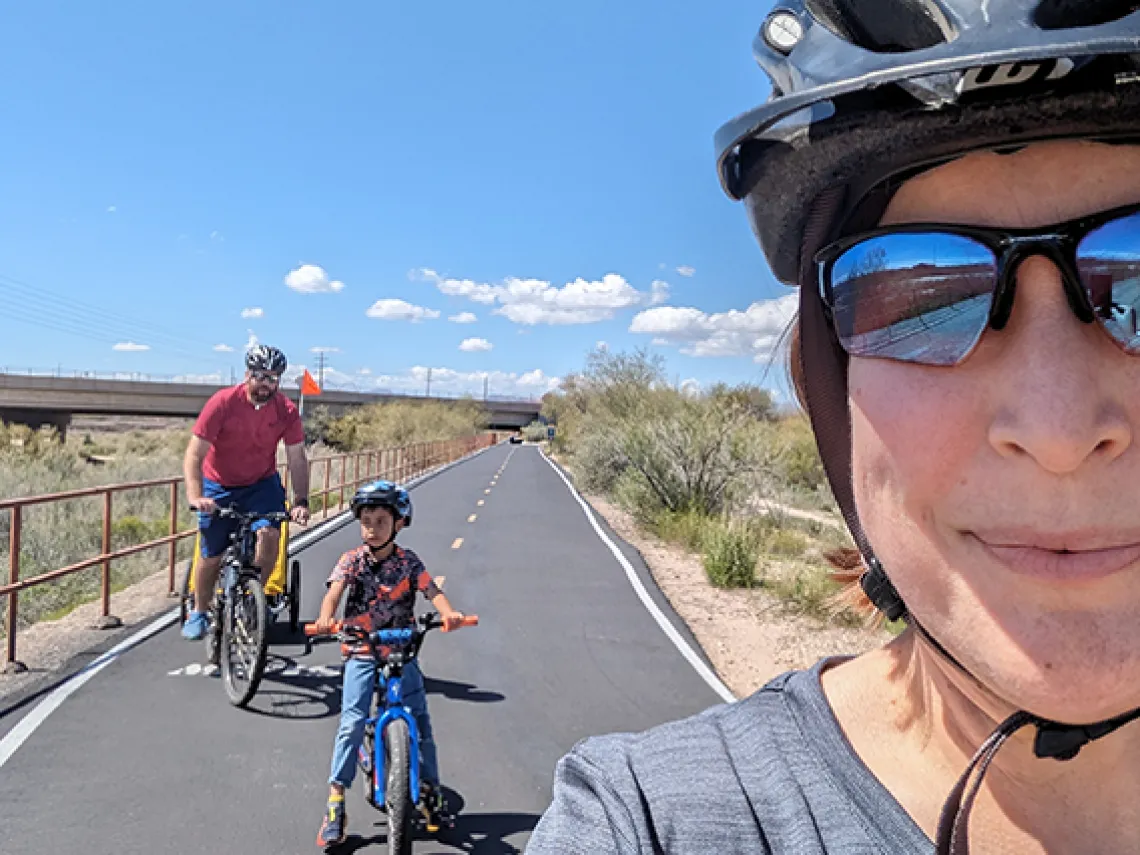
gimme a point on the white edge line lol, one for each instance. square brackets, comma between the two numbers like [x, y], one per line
[667, 627]
[19, 734]
[28, 724]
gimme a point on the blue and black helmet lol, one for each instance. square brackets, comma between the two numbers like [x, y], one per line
[383, 494]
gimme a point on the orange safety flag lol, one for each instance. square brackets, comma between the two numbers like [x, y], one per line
[309, 385]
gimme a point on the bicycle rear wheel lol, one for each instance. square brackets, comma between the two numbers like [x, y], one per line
[398, 796]
[245, 640]
[294, 595]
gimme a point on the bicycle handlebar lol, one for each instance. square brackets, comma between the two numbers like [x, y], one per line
[252, 517]
[387, 636]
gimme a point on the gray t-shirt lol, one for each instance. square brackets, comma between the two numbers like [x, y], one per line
[772, 773]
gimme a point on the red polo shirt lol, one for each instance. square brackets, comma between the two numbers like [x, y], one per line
[243, 439]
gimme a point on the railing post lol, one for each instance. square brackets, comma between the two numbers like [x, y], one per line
[11, 664]
[343, 478]
[355, 471]
[325, 494]
[107, 620]
[173, 531]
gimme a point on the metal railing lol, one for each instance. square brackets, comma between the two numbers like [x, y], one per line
[398, 464]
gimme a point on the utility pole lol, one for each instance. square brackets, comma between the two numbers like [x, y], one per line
[428, 393]
[321, 369]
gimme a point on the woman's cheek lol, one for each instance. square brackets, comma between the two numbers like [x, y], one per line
[912, 446]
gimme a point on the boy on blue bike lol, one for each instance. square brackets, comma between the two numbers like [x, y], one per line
[382, 580]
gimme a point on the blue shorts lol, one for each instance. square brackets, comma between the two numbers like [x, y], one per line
[264, 496]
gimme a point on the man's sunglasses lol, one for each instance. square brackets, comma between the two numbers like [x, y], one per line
[925, 293]
[265, 377]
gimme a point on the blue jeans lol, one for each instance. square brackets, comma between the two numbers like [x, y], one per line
[356, 701]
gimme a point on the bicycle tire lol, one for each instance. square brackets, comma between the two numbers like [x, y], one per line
[397, 797]
[252, 598]
[294, 595]
[366, 762]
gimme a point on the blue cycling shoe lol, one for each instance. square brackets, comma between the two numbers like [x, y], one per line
[195, 626]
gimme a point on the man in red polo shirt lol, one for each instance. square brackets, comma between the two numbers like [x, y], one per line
[231, 461]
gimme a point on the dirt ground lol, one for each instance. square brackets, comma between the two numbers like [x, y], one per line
[748, 635]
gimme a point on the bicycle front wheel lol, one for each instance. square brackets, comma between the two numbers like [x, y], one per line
[398, 797]
[245, 640]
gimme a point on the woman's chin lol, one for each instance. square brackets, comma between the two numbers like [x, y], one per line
[1057, 682]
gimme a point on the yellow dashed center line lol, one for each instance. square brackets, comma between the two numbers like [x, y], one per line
[480, 502]
[488, 490]
[471, 518]
[458, 543]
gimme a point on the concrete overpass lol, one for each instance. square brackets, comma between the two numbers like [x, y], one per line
[45, 400]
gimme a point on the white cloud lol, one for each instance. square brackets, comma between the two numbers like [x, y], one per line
[111, 209]
[659, 292]
[253, 312]
[602, 346]
[365, 371]
[391, 309]
[130, 347]
[753, 332]
[686, 270]
[312, 279]
[223, 348]
[463, 318]
[217, 235]
[253, 340]
[536, 301]
[324, 349]
[691, 386]
[475, 345]
[215, 379]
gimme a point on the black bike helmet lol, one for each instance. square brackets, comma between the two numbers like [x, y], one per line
[383, 494]
[868, 93]
[262, 357]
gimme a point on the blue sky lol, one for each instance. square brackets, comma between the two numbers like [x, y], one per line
[357, 175]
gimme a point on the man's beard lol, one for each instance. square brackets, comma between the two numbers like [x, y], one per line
[260, 396]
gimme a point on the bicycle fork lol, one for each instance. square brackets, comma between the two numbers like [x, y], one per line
[376, 767]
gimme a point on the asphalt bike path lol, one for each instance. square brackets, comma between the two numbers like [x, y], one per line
[149, 757]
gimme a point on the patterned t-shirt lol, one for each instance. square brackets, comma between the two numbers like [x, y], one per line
[381, 594]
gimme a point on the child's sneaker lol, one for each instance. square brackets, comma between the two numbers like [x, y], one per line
[332, 831]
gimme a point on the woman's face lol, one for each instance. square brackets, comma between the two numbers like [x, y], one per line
[973, 482]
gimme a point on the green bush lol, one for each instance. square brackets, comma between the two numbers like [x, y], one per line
[730, 556]
[534, 432]
[398, 423]
[686, 528]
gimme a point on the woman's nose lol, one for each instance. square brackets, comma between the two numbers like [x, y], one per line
[1060, 404]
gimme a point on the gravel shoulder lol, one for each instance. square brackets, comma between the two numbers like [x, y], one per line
[749, 635]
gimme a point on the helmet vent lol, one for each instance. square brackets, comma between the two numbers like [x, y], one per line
[1064, 14]
[885, 26]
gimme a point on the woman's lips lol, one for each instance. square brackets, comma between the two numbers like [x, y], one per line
[1076, 566]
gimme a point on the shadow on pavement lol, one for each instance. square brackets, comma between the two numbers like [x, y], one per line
[476, 833]
[293, 691]
[460, 691]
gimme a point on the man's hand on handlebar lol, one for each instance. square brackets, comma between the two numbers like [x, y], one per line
[204, 505]
[299, 514]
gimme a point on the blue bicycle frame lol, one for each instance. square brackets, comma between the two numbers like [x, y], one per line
[393, 708]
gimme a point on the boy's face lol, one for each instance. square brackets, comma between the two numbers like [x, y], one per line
[377, 525]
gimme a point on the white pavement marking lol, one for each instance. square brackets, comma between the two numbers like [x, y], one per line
[701, 668]
[458, 543]
[481, 502]
[471, 518]
[18, 735]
